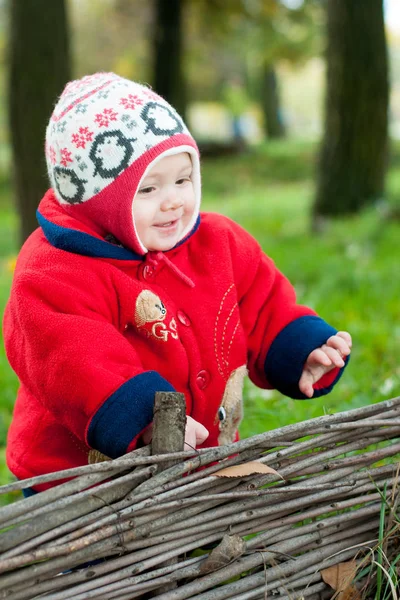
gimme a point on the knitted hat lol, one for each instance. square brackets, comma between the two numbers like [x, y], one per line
[104, 135]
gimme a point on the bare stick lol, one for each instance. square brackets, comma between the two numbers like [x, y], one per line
[168, 436]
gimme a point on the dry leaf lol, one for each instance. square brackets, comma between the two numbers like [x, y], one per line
[95, 457]
[229, 548]
[350, 593]
[339, 578]
[249, 468]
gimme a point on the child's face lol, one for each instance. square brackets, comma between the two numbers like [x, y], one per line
[164, 203]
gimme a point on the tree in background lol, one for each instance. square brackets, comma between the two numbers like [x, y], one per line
[169, 80]
[354, 149]
[284, 34]
[39, 68]
[246, 41]
[271, 104]
[193, 50]
[111, 35]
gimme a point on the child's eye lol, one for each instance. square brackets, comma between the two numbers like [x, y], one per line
[182, 181]
[146, 190]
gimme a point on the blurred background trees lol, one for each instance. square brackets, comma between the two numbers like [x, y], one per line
[354, 155]
[237, 70]
[39, 68]
[168, 32]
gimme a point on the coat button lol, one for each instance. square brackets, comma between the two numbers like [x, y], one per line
[202, 379]
[184, 319]
[148, 272]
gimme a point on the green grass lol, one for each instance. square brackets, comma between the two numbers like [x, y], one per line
[349, 274]
[8, 380]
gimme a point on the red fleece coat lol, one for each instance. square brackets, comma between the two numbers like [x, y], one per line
[93, 330]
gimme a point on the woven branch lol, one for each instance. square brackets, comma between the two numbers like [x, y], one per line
[147, 520]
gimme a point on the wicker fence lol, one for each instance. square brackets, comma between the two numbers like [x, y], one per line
[265, 516]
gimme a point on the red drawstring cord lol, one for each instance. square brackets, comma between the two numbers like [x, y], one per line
[160, 256]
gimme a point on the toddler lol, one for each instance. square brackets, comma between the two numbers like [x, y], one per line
[126, 289]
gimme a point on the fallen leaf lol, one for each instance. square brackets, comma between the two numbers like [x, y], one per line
[339, 578]
[249, 468]
[229, 548]
[95, 456]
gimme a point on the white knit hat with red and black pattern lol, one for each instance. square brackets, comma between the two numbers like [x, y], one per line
[103, 136]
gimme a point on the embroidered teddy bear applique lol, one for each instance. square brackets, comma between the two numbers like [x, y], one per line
[151, 317]
[230, 412]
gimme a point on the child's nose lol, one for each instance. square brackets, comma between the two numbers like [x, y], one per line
[172, 199]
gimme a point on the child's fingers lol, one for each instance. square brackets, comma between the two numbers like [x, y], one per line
[147, 434]
[190, 441]
[324, 359]
[201, 433]
[346, 336]
[195, 433]
[334, 356]
[306, 384]
[319, 357]
[341, 345]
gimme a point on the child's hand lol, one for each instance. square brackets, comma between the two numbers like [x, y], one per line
[195, 434]
[324, 359]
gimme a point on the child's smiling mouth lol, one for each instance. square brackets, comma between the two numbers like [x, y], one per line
[166, 225]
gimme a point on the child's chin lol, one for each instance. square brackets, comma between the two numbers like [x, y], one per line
[162, 246]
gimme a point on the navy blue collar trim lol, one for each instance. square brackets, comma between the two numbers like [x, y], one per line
[79, 242]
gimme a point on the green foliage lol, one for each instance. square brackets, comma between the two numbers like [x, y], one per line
[238, 38]
[8, 380]
[392, 581]
[378, 574]
[111, 35]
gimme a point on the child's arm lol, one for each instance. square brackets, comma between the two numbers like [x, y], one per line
[281, 334]
[322, 360]
[284, 336]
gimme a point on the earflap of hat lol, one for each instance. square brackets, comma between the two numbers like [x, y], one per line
[196, 181]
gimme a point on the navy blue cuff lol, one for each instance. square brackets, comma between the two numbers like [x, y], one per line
[125, 413]
[285, 360]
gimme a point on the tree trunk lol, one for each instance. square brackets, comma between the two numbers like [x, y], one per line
[274, 125]
[169, 80]
[354, 150]
[39, 69]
